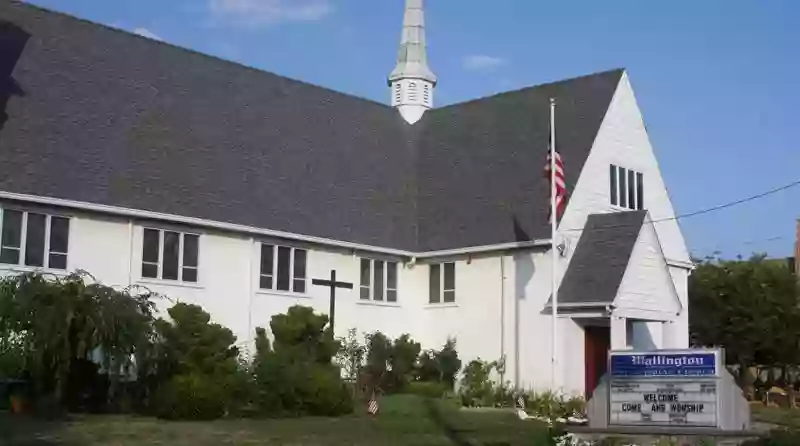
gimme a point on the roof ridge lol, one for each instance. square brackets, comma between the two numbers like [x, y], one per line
[532, 87]
[20, 3]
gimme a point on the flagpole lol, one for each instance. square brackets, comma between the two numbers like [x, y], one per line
[554, 251]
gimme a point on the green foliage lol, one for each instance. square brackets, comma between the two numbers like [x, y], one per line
[748, 306]
[351, 355]
[477, 388]
[57, 321]
[777, 437]
[190, 350]
[403, 360]
[191, 396]
[429, 389]
[379, 355]
[440, 366]
[296, 377]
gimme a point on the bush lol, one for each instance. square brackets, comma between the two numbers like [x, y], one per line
[426, 389]
[476, 387]
[192, 396]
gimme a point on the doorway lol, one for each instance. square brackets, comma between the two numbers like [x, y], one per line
[597, 344]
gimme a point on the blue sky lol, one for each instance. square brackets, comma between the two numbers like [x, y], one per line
[718, 81]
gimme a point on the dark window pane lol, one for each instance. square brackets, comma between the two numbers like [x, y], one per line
[265, 282]
[612, 175]
[12, 229]
[9, 255]
[299, 264]
[449, 276]
[365, 272]
[365, 292]
[57, 261]
[189, 275]
[171, 249]
[449, 296]
[299, 286]
[190, 243]
[391, 295]
[378, 274]
[283, 268]
[34, 240]
[631, 189]
[59, 235]
[391, 275]
[623, 196]
[150, 246]
[434, 284]
[267, 259]
[149, 270]
[639, 191]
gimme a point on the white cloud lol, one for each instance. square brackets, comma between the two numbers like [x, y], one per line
[482, 62]
[267, 12]
[144, 32]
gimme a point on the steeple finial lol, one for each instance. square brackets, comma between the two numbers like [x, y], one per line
[412, 81]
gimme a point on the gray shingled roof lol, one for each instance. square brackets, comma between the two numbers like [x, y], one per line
[102, 116]
[604, 249]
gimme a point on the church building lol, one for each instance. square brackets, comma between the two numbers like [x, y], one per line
[233, 188]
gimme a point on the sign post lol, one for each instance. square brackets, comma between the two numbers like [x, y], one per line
[665, 388]
[332, 284]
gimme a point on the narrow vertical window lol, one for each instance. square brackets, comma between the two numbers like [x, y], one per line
[631, 189]
[639, 191]
[449, 282]
[623, 188]
[412, 91]
[378, 276]
[170, 255]
[299, 276]
[613, 187]
[267, 266]
[435, 284]
[34, 239]
[59, 243]
[189, 268]
[391, 281]
[12, 237]
[365, 279]
[284, 256]
[150, 259]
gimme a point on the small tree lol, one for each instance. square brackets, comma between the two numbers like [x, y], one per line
[403, 359]
[351, 355]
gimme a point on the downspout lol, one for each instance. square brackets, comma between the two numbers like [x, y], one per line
[250, 278]
[130, 253]
[503, 315]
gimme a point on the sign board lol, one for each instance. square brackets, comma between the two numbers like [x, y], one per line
[664, 388]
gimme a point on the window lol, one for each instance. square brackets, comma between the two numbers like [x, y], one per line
[626, 188]
[426, 94]
[283, 268]
[34, 239]
[398, 89]
[442, 283]
[378, 280]
[169, 255]
[412, 91]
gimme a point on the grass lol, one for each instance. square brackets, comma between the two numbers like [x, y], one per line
[776, 415]
[403, 420]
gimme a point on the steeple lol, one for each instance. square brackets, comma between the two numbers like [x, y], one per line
[412, 81]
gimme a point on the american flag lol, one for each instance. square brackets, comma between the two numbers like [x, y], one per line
[372, 408]
[561, 185]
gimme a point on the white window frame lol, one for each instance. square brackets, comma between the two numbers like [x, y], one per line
[442, 288]
[292, 254]
[23, 239]
[371, 285]
[160, 263]
[620, 171]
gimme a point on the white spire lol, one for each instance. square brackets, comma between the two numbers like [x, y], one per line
[412, 81]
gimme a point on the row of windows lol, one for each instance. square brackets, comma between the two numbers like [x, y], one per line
[626, 188]
[412, 93]
[40, 240]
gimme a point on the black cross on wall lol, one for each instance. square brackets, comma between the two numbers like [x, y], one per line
[332, 284]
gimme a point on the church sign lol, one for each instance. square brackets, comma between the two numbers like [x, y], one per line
[664, 388]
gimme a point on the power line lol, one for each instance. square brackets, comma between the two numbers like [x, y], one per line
[707, 210]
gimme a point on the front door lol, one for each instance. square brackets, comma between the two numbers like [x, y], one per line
[598, 343]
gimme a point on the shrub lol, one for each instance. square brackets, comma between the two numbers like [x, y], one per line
[476, 387]
[426, 389]
[193, 396]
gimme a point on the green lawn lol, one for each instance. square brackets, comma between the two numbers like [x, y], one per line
[404, 420]
[776, 415]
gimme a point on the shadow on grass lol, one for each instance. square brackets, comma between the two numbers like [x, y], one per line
[17, 430]
[454, 434]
